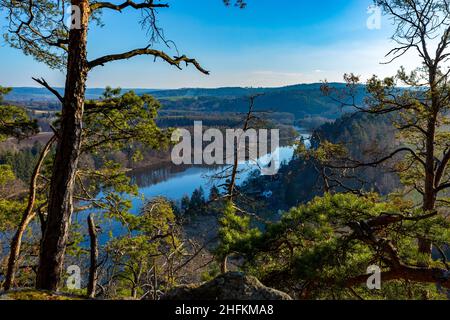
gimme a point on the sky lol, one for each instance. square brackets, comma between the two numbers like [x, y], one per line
[268, 44]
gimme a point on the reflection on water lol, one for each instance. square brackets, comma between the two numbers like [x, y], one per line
[174, 182]
[157, 175]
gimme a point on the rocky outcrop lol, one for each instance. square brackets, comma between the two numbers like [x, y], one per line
[229, 286]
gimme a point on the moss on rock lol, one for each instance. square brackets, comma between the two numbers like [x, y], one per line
[32, 294]
[229, 286]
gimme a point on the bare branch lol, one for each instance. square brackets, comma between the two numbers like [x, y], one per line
[127, 4]
[175, 61]
[44, 83]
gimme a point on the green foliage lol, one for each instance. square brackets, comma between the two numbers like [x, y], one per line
[285, 100]
[235, 232]
[152, 237]
[148, 240]
[4, 91]
[10, 210]
[22, 162]
[196, 205]
[45, 18]
[14, 121]
[113, 123]
[10, 214]
[117, 121]
[314, 244]
[6, 174]
[212, 272]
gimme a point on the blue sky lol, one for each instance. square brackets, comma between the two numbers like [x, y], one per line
[270, 43]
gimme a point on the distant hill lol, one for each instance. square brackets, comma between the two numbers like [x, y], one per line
[42, 94]
[232, 91]
[300, 101]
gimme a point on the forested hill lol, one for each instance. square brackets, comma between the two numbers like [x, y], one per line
[303, 100]
[236, 91]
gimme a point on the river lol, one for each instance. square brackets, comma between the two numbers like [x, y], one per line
[174, 182]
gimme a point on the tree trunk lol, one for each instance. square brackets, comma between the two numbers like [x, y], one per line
[155, 281]
[429, 197]
[92, 284]
[27, 217]
[60, 204]
[134, 291]
[224, 265]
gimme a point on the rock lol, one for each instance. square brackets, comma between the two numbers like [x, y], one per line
[229, 286]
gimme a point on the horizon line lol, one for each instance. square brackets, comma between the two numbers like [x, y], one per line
[182, 88]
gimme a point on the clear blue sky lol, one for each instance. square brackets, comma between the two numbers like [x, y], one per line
[270, 43]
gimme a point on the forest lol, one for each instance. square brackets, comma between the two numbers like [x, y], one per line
[365, 188]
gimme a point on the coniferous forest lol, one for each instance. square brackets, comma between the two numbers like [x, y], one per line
[102, 196]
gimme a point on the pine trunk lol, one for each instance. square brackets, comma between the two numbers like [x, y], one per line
[429, 197]
[92, 284]
[60, 204]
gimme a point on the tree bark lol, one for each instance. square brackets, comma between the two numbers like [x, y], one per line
[60, 204]
[92, 284]
[429, 197]
[224, 265]
[27, 217]
[155, 280]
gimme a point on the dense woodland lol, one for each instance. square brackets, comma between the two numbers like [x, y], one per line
[371, 190]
